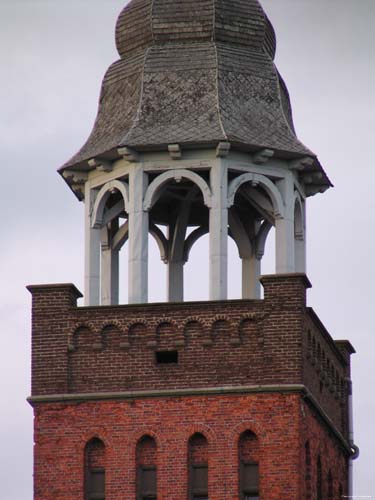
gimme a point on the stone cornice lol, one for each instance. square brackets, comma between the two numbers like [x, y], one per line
[202, 391]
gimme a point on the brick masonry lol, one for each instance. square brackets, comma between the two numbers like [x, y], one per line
[282, 424]
[270, 365]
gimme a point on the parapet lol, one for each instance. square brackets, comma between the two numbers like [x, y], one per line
[185, 346]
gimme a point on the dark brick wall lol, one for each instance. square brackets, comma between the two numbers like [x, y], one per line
[227, 343]
[281, 422]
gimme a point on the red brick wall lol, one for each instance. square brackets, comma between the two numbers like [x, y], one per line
[282, 424]
[325, 372]
[331, 455]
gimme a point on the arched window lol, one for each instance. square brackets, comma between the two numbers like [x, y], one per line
[308, 470]
[330, 486]
[319, 485]
[146, 468]
[248, 450]
[198, 467]
[95, 470]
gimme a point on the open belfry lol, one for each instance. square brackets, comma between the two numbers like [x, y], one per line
[223, 399]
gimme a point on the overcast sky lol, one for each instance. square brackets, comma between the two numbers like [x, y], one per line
[53, 56]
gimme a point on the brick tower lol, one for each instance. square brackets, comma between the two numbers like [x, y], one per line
[225, 399]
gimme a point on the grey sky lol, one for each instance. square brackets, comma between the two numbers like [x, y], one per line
[53, 56]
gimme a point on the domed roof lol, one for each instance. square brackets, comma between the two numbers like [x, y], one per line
[242, 22]
[193, 73]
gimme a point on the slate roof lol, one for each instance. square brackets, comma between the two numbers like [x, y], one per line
[193, 72]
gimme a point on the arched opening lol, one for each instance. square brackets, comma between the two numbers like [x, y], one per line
[112, 217]
[95, 470]
[330, 485]
[319, 479]
[146, 461]
[308, 470]
[251, 219]
[178, 208]
[299, 236]
[268, 260]
[197, 266]
[157, 271]
[248, 453]
[198, 467]
[234, 271]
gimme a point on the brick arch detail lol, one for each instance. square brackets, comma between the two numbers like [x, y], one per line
[195, 319]
[109, 324]
[203, 429]
[166, 320]
[239, 429]
[142, 432]
[82, 325]
[101, 434]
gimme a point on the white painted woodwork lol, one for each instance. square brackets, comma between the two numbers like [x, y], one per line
[175, 278]
[273, 191]
[109, 277]
[300, 238]
[138, 237]
[177, 234]
[92, 252]
[218, 225]
[285, 262]
[250, 278]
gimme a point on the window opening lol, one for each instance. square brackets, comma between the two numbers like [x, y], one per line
[198, 467]
[166, 357]
[146, 469]
[249, 467]
[95, 470]
[319, 486]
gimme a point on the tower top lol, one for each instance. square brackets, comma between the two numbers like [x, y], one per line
[144, 23]
[194, 73]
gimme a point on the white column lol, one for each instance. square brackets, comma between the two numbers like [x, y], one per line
[300, 255]
[176, 235]
[175, 281]
[92, 252]
[250, 278]
[109, 271]
[138, 237]
[219, 232]
[285, 229]
[300, 243]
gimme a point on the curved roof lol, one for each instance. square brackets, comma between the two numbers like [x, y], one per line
[193, 72]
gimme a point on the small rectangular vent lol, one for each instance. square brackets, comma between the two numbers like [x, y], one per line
[166, 357]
